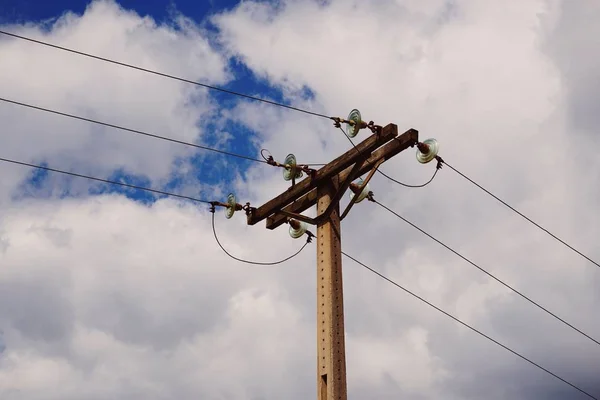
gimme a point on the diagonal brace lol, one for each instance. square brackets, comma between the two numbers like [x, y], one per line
[401, 143]
[360, 188]
[299, 217]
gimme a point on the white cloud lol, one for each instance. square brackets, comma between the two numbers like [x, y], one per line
[106, 298]
[478, 77]
[73, 84]
[134, 290]
[371, 360]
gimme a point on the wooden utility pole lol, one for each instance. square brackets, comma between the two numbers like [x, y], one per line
[331, 354]
[325, 188]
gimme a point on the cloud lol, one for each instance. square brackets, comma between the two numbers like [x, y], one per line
[574, 39]
[495, 98]
[73, 84]
[106, 297]
[93, 310]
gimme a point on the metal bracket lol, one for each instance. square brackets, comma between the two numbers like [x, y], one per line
[302, 167]
[238, 206]
[337, 122]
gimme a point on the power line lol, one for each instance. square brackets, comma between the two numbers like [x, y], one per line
[131, 130]
[163, 74]
[63, 114]
[308, 240]
[208, 202]
[240, 156]
[523, 215]
[468, 326]
[163, 193]
[488, 273]
[105, 181]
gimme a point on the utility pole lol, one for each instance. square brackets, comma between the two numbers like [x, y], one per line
[325, 187]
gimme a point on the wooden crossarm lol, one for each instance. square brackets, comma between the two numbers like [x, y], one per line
[399, 144]
[349, 158]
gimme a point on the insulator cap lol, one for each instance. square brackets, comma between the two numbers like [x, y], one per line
[427, 151]
[292, 171]
[352, 129]
[355, 186]
[297, 228]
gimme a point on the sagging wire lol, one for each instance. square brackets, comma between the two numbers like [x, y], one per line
[212, 210]
[440, 163]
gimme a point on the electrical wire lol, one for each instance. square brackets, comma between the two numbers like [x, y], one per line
[468, 326]
[216, 88]
[105, 180]
[131, 130]
[168, 139]
[286, 259]
[411, 186]
[258, 160]
[389, 177]
[488, 273]
[523, 215]
[308, 240]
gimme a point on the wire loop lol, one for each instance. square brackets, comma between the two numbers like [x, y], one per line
[308, 240]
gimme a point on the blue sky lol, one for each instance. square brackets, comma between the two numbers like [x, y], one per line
[19, 11]
[35, 10]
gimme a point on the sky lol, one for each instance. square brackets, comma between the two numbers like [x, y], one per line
[111, 293]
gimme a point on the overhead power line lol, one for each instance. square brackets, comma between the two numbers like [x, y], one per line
[488, 273]
[122, 64]
[468, 326]
[377, 273]
[132, 130]
[239, 94]
[186, 81]
[168, 139]
[523, 215]
[308, 240]
[105, 181]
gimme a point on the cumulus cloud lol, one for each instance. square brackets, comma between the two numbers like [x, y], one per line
[104, 297]
[497, 100]
[143, 293]
[69, 83]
